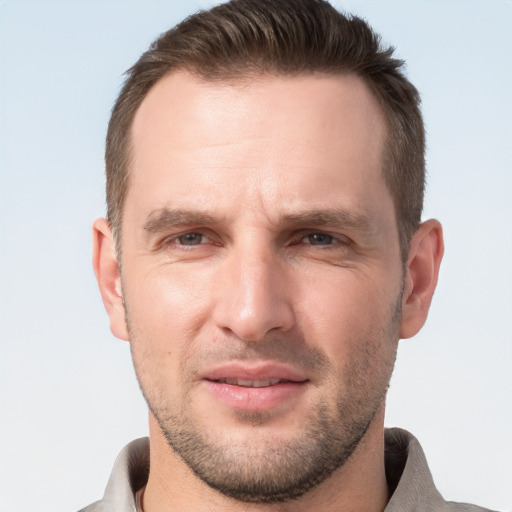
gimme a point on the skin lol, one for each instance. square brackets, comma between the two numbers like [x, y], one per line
[260, 241]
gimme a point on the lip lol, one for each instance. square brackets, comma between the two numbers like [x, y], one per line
[256, 399]
[258, 371]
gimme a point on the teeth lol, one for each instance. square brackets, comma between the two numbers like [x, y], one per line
[251, 383]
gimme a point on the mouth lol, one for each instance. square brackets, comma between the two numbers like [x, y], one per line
[261, 387]
[245, 383]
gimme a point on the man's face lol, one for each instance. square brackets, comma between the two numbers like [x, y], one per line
[261, 275]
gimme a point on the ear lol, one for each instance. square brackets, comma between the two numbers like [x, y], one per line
[108, 276]
[421, 272]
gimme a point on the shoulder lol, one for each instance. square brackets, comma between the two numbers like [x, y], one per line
[93, 507]
[409, 478]
[129, 474]
[452, 506]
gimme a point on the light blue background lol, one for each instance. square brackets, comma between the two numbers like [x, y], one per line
[68, 397]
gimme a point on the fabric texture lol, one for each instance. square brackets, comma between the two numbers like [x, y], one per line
[408, 476]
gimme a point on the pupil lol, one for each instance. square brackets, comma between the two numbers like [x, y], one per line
[191, 239]
[320, 239]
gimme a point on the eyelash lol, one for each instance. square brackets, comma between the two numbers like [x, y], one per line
[334, 241]
[330, 238]
[175, 240]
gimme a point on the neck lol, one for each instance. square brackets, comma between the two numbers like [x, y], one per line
[359, 486]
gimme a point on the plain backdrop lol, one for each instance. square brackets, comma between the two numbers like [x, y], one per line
[69, 400]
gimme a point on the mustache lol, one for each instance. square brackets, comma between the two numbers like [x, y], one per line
[271, 348]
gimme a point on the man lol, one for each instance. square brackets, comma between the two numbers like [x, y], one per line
[263, 254]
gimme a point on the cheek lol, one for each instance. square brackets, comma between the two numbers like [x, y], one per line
[349, 309]
[166, 295]
[164, 313]
[162, 323]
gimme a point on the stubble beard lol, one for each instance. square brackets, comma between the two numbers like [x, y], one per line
[279, 470]
[271, 471]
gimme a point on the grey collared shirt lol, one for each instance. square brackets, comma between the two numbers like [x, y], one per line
[406, 470]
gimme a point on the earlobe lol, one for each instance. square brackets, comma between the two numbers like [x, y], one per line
[421, 273]
[106, 269]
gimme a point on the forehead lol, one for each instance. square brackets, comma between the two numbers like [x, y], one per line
[338, 103]
[286, 140]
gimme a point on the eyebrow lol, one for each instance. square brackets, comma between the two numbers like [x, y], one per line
[337, 217]
[164, 218]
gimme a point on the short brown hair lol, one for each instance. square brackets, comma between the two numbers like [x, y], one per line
[242, 38]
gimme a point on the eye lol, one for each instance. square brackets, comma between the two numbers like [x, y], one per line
[190, 239]
[319, 239]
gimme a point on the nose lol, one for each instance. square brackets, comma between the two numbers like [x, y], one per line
[253, 294]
